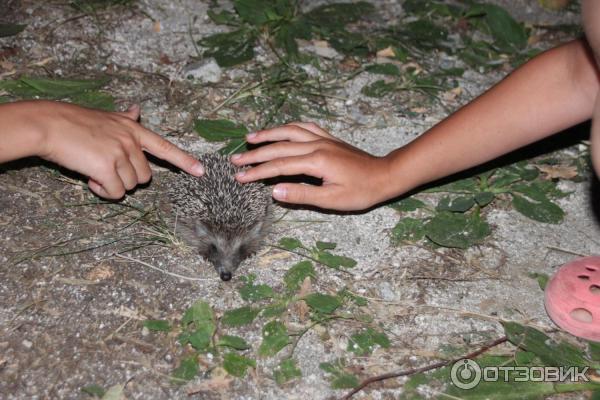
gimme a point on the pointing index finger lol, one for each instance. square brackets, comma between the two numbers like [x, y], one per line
[163, 149]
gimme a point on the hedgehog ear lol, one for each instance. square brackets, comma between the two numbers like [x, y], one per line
[191, 233]
[201, 229]
[257, 229]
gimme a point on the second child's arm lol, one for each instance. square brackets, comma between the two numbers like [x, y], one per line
[552, 92]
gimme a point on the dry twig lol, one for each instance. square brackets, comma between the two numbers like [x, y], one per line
[413, 371]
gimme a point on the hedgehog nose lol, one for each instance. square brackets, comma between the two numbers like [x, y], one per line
[226, 276]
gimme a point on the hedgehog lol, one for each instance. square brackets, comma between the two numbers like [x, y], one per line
[223, 219]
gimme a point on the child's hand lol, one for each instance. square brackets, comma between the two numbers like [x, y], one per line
[352, 178]
[107, 147]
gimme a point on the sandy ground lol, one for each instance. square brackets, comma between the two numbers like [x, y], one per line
[68, 321]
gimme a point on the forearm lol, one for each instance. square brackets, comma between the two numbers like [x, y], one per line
[552, 92]
[21, 134]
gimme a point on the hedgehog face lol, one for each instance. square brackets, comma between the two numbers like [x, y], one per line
[224, 250]
[226, 255]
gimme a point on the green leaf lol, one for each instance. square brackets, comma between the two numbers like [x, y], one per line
[199, 326]
[11, 29]
[456, 230]
[533, 191]
[459, 204]
[378, 88]
[290, 243]
[288, 33]
[275, 309]
[234, 342]
[422, 8]
[237, 365]
[409, 230]
[62, 87]
[322, 303]
[114, 392]
[538, 190]
[594, 351]
[187, 370]
[345, 381]
[325, 245]
[275, 338]
[337, 15]
[28, 88]
[484, 198]
[349, 43]
[285, 38]
[219, 130]
[468, 185]
[363, 343]
[543, 211]
[94, 99]
[200, 338]
[358, 300]
[234, 146]
[294, 277]
[223, 18]
[254, 12]
[423, 33]
[94, 390]
[286, 371]
[328, 367]
[340, 379]
[508, 34]
[408, 204]
[528, 174]
[335, 261]
[504, 177]
[240, 316]
[551, 353]
[542, 279]
[200, 313]
[157, 325]
[230, 48]
[383, 69]
[252, 292]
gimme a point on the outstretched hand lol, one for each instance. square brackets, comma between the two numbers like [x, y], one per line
[105, 146]
[352, 179]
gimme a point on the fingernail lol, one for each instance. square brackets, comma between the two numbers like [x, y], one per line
[235, 157]
[251, 135]
[279, 193]
[198, 169]
[240, 174]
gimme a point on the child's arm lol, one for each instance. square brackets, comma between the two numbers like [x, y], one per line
[107, 147]
[553, 91]
[590, 10]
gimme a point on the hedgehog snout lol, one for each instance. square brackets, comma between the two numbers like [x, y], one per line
[226, 256]
[225, 276]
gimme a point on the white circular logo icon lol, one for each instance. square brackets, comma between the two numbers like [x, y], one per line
[465, 374]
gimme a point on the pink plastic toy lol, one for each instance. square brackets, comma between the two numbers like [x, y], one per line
[572, 298]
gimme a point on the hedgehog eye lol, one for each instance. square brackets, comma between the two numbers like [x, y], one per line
[212, 249]
[243, 251]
